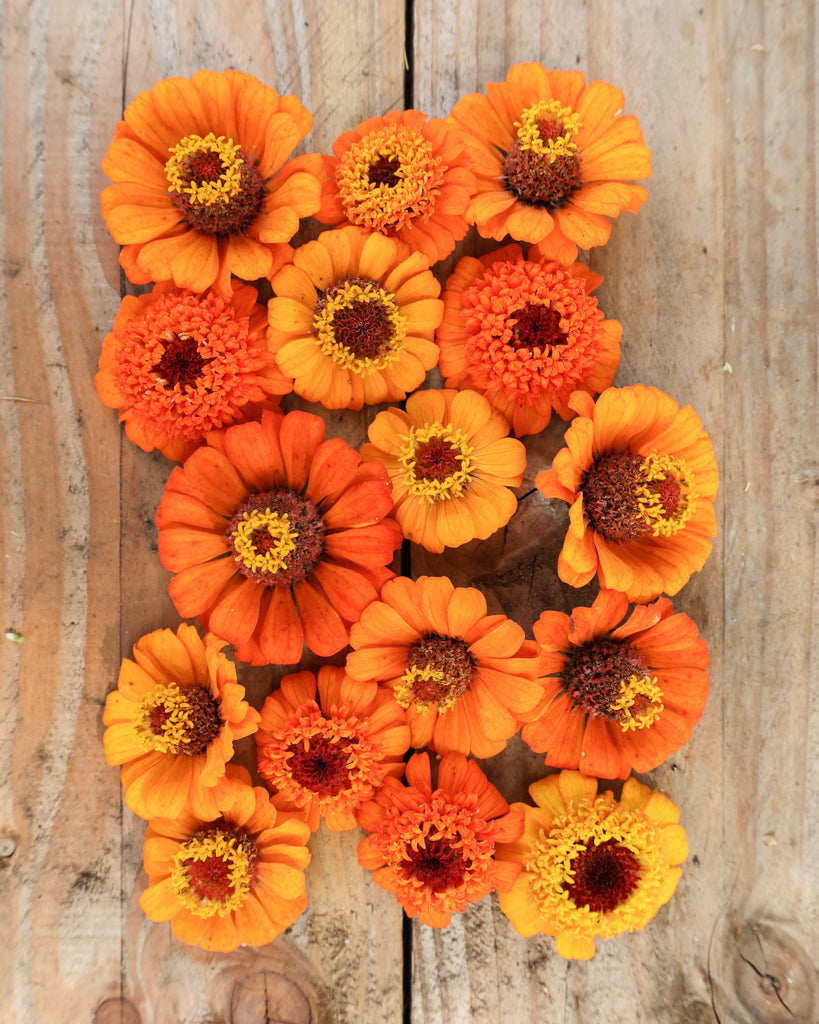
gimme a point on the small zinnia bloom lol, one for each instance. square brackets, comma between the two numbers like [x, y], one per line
[592, 865]
[467, 679]
[640, 475]
[553, 158]
[451, 464]
[172, 721]
[201, 186]
[234, 879]
[620, 696]
[354, 318]
[326, 744]
[402, 175]
[434, 849]
[178, 365]
[277, 537]
[526, 333]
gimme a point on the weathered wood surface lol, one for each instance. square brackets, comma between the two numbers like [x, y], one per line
[715, 284]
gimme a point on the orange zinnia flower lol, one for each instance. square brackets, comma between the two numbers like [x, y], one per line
[434, 848]
[552, 158]
[233, 879]
[619, 697]
[201, 188]
[172, 721]
[592, 865]
[526, 333]
[354, 319]
[403, 175]
[467, 679]
[451, 466]
[326, 744]
[277, 537]
[178, 365]
[641, 478]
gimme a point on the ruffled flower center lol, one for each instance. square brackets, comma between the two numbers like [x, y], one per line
[534, 330]
[389, 178]
[334, 757]
[176, 719]
[628, 496]
[599, 870]
[213, 871]
[214, 184]
[437, 462]
[439, 671]
[187, 365]
[610, 679]
[277, 538]
[359, 325]
[542, 167]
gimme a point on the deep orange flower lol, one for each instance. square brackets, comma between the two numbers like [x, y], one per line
[641, 478]
[233, 879]
[467, 679]
[172, 721]
[620, 696]
[403, 175]
[354, 319]
[326, 744]
[526, 333]
[552, 158]
[277, 537]
[178, 365]
[201, 186]
[592, 865]
[451, 466]
[435, 848]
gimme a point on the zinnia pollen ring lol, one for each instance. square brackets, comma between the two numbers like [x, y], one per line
[277, 538]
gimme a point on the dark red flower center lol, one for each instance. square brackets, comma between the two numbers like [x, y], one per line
[537, 327]
[610, 493]
[437, 459]
[383, 171]
[536, 180]
[181, 362]
[452, 664]
[604, 876]
[203, 720]
[229, 215]
[322, 769]
[436, 865]
[213, 877]
[595, 671]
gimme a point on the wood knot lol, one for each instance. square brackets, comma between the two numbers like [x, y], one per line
[267, 997]
[775, 977]
[116, 1011]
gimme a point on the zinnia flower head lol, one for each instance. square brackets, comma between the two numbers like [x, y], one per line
[403, 175]
[592, 865]
[434, 848]
[640, 475]
[172, 721]
[619, 696]
[277, 537]
[201, 186]
[178, 365]
[526, 333]
[354, 319]
[236, 878]
[326, 743]
[451, 465]
[553, 158]
[467, 679]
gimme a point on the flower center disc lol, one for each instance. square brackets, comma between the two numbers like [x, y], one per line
[436, 866]
[359, 325]
[537, 327]
[277, 538]
[604, 876]
[322, 768]
[181, 362]
[214, 871]
[437, 462]
[439, 671]
[178, 719]
[542, 167]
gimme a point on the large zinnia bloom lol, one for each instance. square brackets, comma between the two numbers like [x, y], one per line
[553, 157]
[233, 879]
[526, 333]
[354, 319]
[326, 743]
[467, 679]
[277, 537]
[592, 865]
[434, 848]
[201, 186]
[620, 696]
[178, 365]
[403, 175]
[172, 721]
[640, 475]
[451, 464]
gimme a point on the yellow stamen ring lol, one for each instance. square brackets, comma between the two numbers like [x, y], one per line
[219, 846]
[639, 704]
[550, 111]
[170, 708]
[267, 524]
[346, 295]
[656, 470]
[205, 193]
[443, 487]
[405, 693]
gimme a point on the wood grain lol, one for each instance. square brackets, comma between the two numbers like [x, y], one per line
[715, 282]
